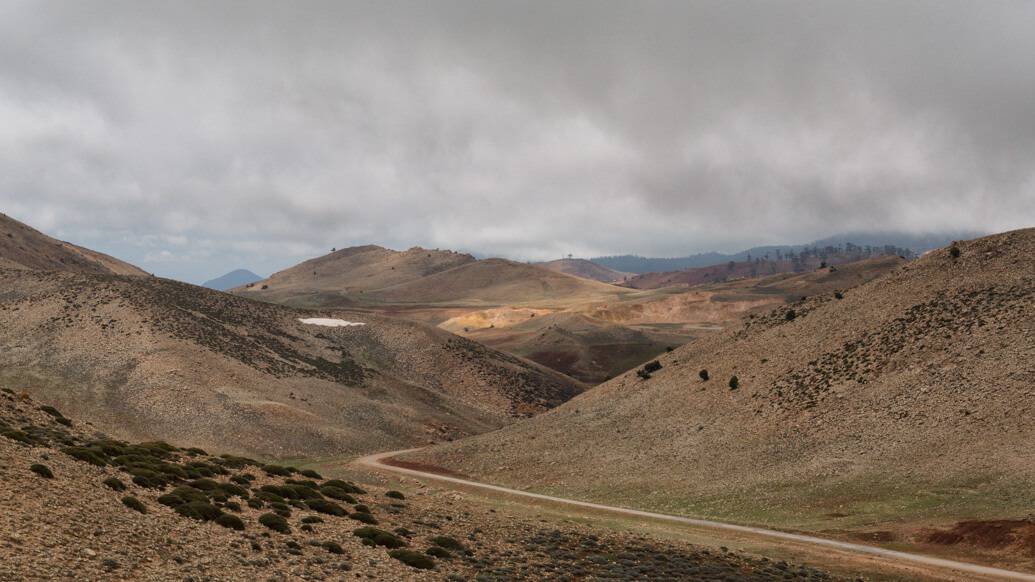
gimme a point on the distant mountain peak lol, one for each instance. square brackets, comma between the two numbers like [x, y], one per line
[234, 278]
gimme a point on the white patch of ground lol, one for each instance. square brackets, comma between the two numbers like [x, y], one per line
[327, 322]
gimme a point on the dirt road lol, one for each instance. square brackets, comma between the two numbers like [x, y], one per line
[956, 570]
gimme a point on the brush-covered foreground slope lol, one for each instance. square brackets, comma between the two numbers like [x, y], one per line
[144, 357]
[23, 247]
[912, 396]
[585, 269]
[79, 505]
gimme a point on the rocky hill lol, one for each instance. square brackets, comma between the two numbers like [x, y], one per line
[908, 399]
[151, 358]
[23, 247]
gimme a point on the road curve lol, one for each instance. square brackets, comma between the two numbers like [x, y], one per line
[375, 461]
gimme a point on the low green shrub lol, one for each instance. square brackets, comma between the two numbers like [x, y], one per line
[230, 521]
[337, 493]
[188, 493]
[115, 484]
[395, 494]
[310, 473]
[439, 553]
[312, 519]
[134, 504]
[199, 510]
[379, 537]
[363, 517]
[86, 455]
[333, 547]
[413, 559]
[324, 506]
[449, 543]
[346, 486]
[42, 470]
[734, 383]
[278, 471]
[233, 506]
[171, 500]
[275, 522]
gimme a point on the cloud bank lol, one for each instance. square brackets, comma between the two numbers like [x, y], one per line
[196, 137]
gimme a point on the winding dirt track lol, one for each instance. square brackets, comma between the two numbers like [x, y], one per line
[960, 568]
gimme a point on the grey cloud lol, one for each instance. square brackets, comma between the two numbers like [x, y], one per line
[196, 137]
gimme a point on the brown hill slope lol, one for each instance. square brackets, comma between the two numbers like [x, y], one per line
[152, 358]
[66, 514]
[23, 247]
[497, 282]
[909, 398]
[332, 278]
[753, 269]
[585, 269]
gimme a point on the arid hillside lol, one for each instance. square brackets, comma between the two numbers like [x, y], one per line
[23, 247]
[80, 505]
[908, 399]
[343, 276]
[151, 358]
[802, 262]
[586, 269]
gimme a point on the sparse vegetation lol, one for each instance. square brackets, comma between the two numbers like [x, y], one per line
[327, 507]
[395, 494]
[379, 537]
[275, 522]
[333, 547]
[954, 251]
[134, 504]
[413, 559]
[790, 315]
[734, 383]
[703, 375]
[230, 521]
[42, 470]
[115, 484]
[199, 510]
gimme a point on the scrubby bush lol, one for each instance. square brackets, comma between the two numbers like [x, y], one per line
[652, 366]
[339, 494]
[333, 547]
[379, 537]
[734, 383]
[230, 521]
[171, 500]
[42, 470]
[346, 486]
[324, 506]
[242, 480]
[312, 519]
[233, 506]
[364, 517]
[86, 455]
[256, 503]
[278, 471]
[134, 504]
[839, 295]
[395, 494]
[310, 473]
[704, 375]
[449, 543]
[275, 522]
[199, 510]
[438, 552]
[115, 484]
[413, 559]
[954, 251]
[188, 493]
[361, 508]
[790, 315]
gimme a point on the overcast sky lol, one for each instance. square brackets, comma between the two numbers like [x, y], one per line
[193, 138]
